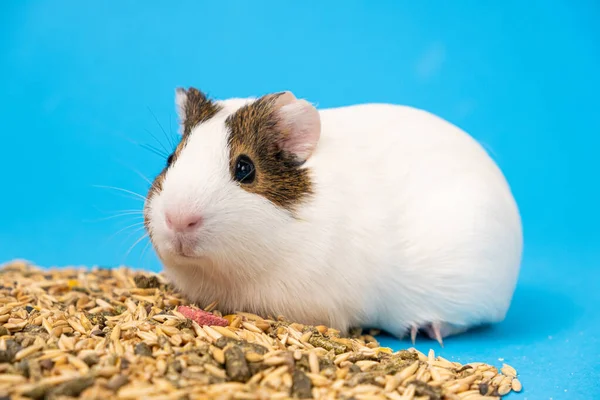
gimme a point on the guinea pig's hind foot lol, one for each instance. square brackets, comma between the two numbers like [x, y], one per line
[436, 330]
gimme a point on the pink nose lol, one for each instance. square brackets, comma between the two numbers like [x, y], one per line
[182, 222]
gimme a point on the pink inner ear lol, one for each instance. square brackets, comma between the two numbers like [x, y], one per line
[285, 98]
[302, 123]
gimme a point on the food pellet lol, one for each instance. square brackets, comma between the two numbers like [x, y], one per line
[96, 333]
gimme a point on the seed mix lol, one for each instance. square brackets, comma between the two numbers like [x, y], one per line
[104, 333]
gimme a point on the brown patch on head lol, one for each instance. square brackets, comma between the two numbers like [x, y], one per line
[195, 108]
[256, 132]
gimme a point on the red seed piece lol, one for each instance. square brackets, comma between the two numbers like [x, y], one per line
[202, 317]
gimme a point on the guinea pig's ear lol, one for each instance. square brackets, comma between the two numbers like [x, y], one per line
[300, 125]
[181, 99]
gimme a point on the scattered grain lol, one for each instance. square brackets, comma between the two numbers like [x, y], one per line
[114, 333]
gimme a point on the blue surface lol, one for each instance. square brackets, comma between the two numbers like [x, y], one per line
[80, 86]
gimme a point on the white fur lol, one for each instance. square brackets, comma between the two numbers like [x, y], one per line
[412, 222]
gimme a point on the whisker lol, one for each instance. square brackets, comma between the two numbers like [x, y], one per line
[108, 239]
[128, 227]
[144, 146]
[161, 144]
[154, 150]
[150, 148]
[144, 252]
[159, 124]
[121, 211]
[123, 214]
[118, 211]
[135, 244]
[137, 172]
[144, 177]
[122, 190]
[137, 230]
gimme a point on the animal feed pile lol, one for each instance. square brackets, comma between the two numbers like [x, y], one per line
[120, 334]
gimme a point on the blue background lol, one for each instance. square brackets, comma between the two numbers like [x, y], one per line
[82, 82]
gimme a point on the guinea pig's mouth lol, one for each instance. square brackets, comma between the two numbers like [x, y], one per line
[184, 247]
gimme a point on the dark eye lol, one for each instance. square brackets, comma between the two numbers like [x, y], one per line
[244, 170]
[169, 160]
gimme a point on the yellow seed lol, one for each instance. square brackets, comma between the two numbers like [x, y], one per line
[211, 332]
[431, 355]
[249, 316]
[341, 358]
[306, 336]
[276, 373]
[115, 335]
[176, 340]
[226, 332]
[488, 374]
[27, 352]
[365, 365]
[262, 325]
[77, 363]
[161, 366]
[318, 380]
[103, 304]
[313, 362]
[441, 364]
[237, 322]
[497, 380]
[516, 385]
[504, 390]
[408, 371]
[169, 330]
[215, 371]
[218, 355]
[422, 357]
[509, 371]
[67, 329]
[409, 393]
[47, 326]
[341, 373]
[321, 328]
[287, 380]
[119, 349]
[470, 395]
[457, 387]
[253, 357]
[77, 326]
[12, 379]
[251, 327]
[273, 361]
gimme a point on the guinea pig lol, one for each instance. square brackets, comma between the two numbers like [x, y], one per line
[372, 215]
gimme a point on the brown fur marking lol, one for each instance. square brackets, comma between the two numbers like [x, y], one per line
[255, 133]
[197, 109]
